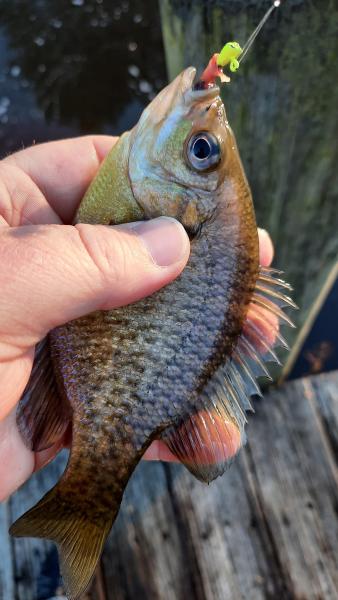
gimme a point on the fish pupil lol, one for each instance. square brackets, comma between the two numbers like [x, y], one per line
[201, 148]
[203, 151]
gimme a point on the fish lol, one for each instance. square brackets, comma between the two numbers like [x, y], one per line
[180, 365]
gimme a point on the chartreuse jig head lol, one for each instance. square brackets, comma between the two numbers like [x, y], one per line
[231, 54]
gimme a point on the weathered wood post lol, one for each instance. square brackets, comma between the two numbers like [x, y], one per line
[282, 104]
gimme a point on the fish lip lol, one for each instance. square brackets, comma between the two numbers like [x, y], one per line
[195, 96]
[202, 96]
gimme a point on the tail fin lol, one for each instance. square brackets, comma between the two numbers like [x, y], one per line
[79, 538]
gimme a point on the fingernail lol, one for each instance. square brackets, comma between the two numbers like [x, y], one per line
[165, 239]
[264, 233]
[266, 249]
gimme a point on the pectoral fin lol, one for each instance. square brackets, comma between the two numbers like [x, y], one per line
[42, 415]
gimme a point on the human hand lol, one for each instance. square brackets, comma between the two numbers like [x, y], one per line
[52, 272]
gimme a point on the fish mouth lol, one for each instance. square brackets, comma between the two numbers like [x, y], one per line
[192, 94]
[182, 93]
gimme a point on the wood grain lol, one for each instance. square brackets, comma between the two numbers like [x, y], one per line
[6, 563]
[35, 564]
[267, 529]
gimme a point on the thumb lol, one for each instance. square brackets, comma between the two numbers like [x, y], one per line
[52, 274]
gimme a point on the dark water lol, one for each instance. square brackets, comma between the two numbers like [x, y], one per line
[319, 351]
[70, 67]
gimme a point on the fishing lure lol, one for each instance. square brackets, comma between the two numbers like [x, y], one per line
[228, 56]
[231, 54]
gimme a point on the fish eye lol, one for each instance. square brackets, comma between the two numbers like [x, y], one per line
[203, 151]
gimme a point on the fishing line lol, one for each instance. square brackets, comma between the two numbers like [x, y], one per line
[255, 33]
[231, 55]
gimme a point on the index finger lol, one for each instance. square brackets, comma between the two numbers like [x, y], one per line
[63, 170]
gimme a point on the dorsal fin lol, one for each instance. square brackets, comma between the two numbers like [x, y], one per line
[207, 440]
[42, 414]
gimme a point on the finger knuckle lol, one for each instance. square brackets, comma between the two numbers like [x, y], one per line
[107, 251]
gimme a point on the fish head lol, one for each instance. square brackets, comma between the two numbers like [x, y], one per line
[182, 151]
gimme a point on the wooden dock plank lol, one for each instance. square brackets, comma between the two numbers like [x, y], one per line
[297, 491]
[267, 529]
[35, 563]
[325, 398]
[6, 563]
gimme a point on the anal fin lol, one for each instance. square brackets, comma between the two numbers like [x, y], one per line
[207, 441]
[42, 414]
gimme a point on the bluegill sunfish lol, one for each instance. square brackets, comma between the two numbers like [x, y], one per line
[180, 365]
